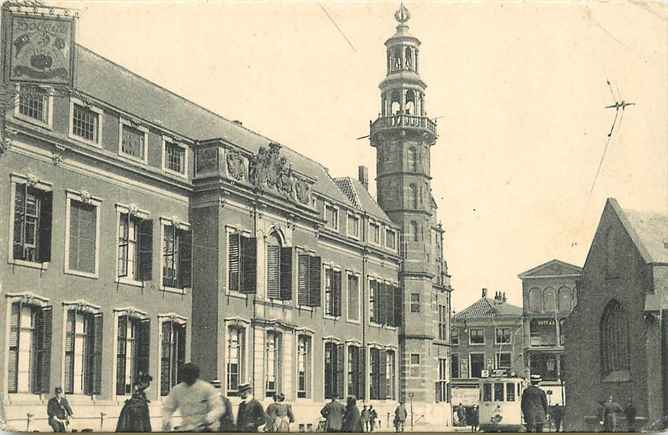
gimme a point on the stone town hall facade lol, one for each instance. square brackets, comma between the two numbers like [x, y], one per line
[144, 231]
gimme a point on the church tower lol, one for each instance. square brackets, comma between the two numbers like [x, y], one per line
[403, 136]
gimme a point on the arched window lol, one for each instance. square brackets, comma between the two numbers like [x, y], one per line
[565, 300]
[615, 350]
[549, 301]
[410, 102]
[395, 102]
[413, 196]
[408, 55]
[273, 266]
[412, 159]
[415, 230]
[534, 300]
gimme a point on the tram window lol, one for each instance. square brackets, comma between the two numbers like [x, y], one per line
[498, 392]
[510, 392]
[486, 392]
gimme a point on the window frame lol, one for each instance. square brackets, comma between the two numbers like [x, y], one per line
[96, 202]
[100, 119]
[374, 224]
[413, 303]
[245, 326]
[453, 356]
[165, 168]
[350, 217]
[83, 307]
[497, 359]
[44, 186]
[124, 122]
[49, 106]
[138, 214]
[389, 230]
[309, 376]
[182, 226]
[162, 319]
[330, 206]
[484, 340]
[471, 354]
[496, 335]
[131, 314]
[334, 270]
[357, 275]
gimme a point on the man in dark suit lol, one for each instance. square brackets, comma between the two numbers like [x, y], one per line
[534, 406]
[333, 413]
[251, 415]
[59, 411]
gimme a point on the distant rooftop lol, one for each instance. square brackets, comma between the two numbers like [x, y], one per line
[488, 308]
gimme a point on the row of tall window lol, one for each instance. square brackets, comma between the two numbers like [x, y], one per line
[317, 284]
[354, 230]
[36, 105]
[551, 301]
[31, 350]
[477, 336]
[476, 363]
[344, 366]
[32, 228]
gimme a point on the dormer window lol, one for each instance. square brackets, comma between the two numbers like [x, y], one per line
[34, 105]
[85, 122]
[332, 217]
[353, 226]
[174, 157]
[390, 239]
[374, 233]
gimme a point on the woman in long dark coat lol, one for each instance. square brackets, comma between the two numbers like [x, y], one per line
[135, 415]
[352, 420]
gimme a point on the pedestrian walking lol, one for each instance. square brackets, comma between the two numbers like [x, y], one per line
[475, 414]
[59, 412]
[352, 420]
[333, 413]
[557, 413]
[630, 413]
[198, 402]
[373, 416]
[461, 415]
[135, 416]
[534, 406]
[251, 415]
[226, 423]
[365, 418]
[400, 415]
[609, 412]
[280, 414]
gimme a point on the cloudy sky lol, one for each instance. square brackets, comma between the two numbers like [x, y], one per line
[519, 89]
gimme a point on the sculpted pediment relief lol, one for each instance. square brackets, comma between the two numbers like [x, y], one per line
[269, 171]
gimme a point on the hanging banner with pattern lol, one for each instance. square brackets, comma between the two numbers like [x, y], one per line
[39, 45]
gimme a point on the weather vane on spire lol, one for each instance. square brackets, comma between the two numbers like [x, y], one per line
[402, 15]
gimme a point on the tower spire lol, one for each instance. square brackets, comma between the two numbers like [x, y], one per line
[402, 15]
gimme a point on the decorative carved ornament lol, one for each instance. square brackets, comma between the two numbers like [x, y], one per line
[268, 170]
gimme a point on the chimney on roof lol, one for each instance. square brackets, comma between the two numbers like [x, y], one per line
[363, 176]
[237, 122]
[484, 292]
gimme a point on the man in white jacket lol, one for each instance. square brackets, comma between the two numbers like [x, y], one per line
[198, 401]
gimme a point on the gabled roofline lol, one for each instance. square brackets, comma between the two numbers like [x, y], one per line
[524, 275]
[619, 212]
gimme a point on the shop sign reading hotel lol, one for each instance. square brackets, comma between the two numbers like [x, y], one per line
[39, 44]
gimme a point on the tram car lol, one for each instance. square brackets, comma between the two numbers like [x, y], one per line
[501, 403]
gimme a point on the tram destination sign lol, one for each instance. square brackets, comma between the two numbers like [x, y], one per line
[39, 45]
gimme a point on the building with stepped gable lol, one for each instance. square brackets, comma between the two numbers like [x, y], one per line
[144, 231]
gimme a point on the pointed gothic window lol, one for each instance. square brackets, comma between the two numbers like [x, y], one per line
[615, 345]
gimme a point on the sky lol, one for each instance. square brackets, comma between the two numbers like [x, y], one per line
[519, 90]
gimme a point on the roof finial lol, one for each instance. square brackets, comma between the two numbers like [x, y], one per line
[402, 15]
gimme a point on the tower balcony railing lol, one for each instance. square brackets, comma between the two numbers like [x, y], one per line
[406, 121]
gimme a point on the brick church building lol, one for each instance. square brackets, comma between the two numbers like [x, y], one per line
[144, 231]
[617, 335]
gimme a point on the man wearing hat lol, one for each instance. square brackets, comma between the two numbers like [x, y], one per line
[199, 403]
[227, 419]
[250, 415]
[59, 411]
[534, 406]
[333, 413]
